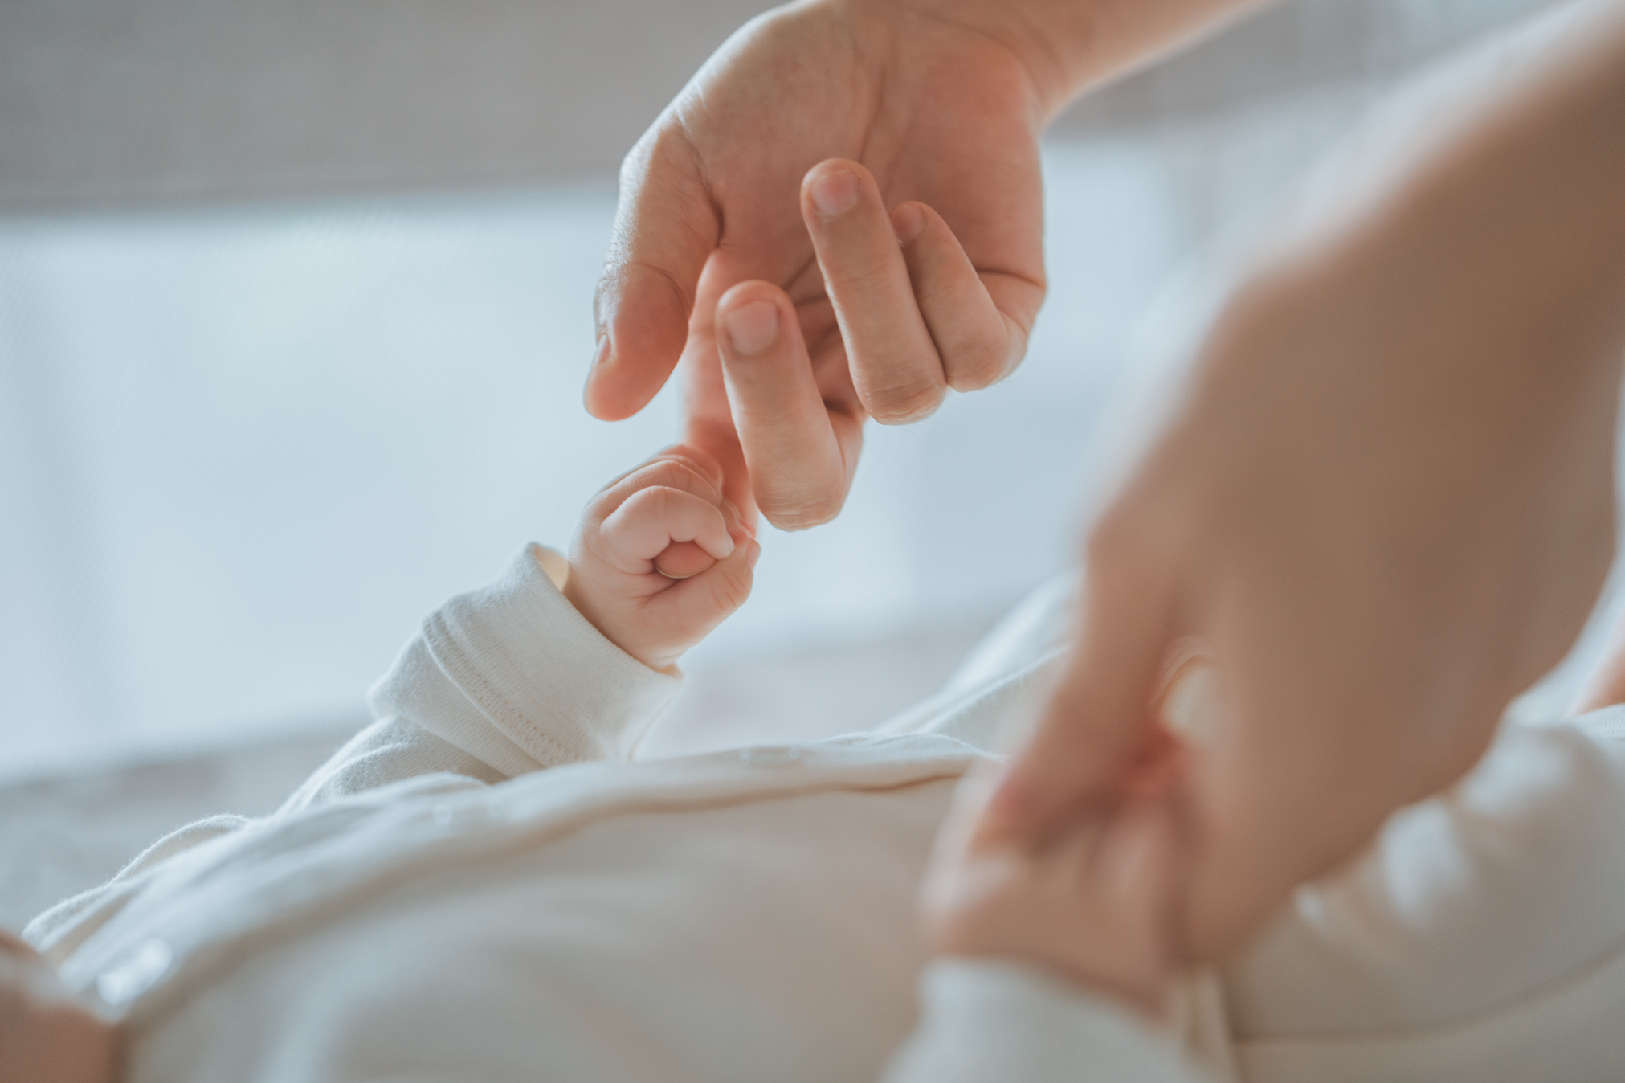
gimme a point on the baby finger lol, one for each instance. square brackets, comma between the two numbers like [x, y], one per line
[652, 519]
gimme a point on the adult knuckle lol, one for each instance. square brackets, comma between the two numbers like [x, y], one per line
[905, 402]
[988, 357]
[680, 293]
[977, 365]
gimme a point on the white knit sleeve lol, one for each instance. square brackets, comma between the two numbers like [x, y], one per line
[994, 1022]
[512, 675]
[499, 682]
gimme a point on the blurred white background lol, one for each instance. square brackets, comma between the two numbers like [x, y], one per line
[244, 452]
[246, 445]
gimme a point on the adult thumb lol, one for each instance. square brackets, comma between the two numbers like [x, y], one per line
[666, 227]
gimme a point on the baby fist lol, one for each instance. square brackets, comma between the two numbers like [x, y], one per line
[660, 557]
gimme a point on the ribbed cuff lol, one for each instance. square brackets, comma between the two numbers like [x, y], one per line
[514, 675]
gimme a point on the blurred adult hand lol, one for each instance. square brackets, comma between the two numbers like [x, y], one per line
[46, 1036]
[1098, 901]
[1385, 504]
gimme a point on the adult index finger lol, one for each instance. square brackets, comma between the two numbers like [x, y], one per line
[799, 450]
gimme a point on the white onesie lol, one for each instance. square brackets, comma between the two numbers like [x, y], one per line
[483, 886]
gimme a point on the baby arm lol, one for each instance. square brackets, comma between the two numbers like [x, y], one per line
[660, 557]
[559, 661]
[500, 681]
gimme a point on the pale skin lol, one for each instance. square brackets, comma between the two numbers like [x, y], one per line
[1385, 497]
[1386, 504]
[815, 265]
[1099, 899]
[672, 509]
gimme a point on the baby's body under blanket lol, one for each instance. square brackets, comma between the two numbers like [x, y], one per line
[481, 887]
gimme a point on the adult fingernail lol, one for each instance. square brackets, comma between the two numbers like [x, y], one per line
[753, 327]
[834, 192]
[907, 221]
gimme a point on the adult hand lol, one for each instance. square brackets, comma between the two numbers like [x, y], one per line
[45, 1035]
[915, 264]
[1098, 900]
[906, 131]
[1386, 505]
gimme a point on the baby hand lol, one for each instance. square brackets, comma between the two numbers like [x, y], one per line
[1098, 902]
[668, 512]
